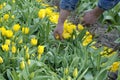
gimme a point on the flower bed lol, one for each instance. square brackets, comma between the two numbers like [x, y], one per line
[29, 51]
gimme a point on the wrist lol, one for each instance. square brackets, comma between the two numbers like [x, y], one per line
[60, 25]
[63, 16]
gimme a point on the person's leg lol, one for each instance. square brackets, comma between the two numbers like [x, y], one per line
[65, 7]
[68, 4]
[107, 4]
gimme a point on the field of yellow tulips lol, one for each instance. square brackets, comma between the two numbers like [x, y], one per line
[29, 51]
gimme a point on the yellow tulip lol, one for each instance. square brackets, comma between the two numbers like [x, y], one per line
[66, 71]
[28, 61]
[48, 11]
[75, 73]
[40, 49]
[69, 78]
[9, 34]
[1, 19]
[66, 35]
[5, 47]
[80, 27]
[27, 49]
[87, 33]
[32, 75]
[13, 49]
[6, 16]
[13, 1]
[115, 66]
[27, 56]
[1, 60]
[13, 17]
[4, 4]
[25, 30]
[7, 41]
[39, 56]
[3, 30]
[54, 18]
[16, 27]
[1, 6]
[22, 65]
[42, 13]
[34, 41]
[46, 5]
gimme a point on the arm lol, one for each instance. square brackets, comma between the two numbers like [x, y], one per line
[66, 6]
[62, 17]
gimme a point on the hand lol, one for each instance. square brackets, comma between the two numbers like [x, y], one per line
[58, 31]
[92, 16]
[89, 18]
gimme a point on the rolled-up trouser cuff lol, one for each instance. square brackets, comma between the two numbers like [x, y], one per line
[107, 4]
[68, 4]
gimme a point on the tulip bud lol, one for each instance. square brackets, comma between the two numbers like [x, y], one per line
[28, 61]
[69, 78]
[1, 60]
[66, 70]
[32, 75]
[75, 73]
[22, 65]
[27, 56]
